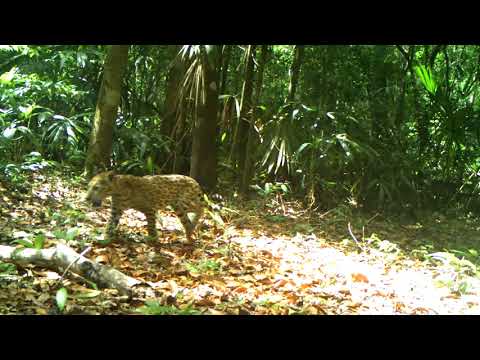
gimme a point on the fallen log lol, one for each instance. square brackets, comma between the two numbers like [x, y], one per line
[61, 257]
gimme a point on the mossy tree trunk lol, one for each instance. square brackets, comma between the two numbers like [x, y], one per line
[249, 153]
[101, 138]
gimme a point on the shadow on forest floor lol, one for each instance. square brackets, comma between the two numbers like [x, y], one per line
[259, 259]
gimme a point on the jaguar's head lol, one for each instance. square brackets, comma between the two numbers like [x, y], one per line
[99, 188]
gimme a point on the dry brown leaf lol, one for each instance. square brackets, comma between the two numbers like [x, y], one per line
[292, 298]
[206, 302]
[240, 289]
[232, 284]
[359, 277]
[399, 306]
[280, 283]
[140, 273]
[216, 312]
[311, 310]
[102, 259]
[41, 311]
[265, 281]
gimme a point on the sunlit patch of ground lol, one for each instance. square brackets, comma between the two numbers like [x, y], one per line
[262, 260]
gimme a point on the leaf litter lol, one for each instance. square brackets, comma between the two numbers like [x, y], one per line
[252, 264]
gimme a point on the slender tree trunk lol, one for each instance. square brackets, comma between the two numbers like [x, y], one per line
[245, 108]
[203, 166]
[248, 167]
[400, 116]
[298, 54]
[174, 77]
[378, 86]
[226, 56]
[225, 110]
[174, 118]
[295, 72]
[100, 147]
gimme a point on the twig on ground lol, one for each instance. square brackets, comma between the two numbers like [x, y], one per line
[326, 213]
[371, 219]
[74, 261]
[354, 238]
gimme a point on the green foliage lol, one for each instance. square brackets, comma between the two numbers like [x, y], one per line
[462, 266]
[7, 269]
[68, 235]
[270, 189]
[32, 241]
[61, 298]
[427, 79]
[204, 266]
[276, 218]
[154, 308]
[380, 125]
[138, 153]
[28, 93]
[16, 174]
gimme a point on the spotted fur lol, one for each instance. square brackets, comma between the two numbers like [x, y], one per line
[148, 194]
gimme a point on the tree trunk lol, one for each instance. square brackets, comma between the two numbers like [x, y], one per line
[378, 84]
[295, 72]
[174, 77]
[100, 147]
[174, 117]
[298, 54]
[226, 56]
[203, 166]
[248, 167]
[241, 133]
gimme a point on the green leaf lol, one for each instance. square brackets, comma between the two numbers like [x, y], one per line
[7, 77]
[61, 298]
[216, 218]
[26, 110]
[81, 59]
[24, 242]
[295, 113]
[302, 147]
[9, 132]
[86, 294]
[154, 308]
[426, 77]
[237, 108]
[58, 233]
[71, 234]
[268, 188]
[473, 252]
[7, 268]
[39, 241]
[104, 242]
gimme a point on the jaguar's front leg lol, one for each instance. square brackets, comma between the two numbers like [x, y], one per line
[151, 224]
[116, 213]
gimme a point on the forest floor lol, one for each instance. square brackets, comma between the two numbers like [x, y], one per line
[262, 257]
